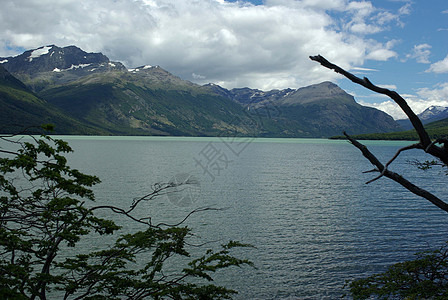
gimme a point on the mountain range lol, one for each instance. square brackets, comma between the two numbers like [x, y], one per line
[429, 115]
[86, 93]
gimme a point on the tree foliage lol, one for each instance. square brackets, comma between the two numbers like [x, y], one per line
[426, 277]
[44, 215]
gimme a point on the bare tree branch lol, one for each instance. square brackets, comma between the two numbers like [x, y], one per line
[397, 177]
[413, 146]
[424, 144]
[425, 141]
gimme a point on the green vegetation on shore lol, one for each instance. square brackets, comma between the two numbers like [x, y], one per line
[435, 130]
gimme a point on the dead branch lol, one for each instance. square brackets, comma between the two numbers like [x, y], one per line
[425, 141]
[413, 146]
[396, 177]
[424, 144]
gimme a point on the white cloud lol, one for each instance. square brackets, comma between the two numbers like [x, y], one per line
[388, 107]
[439, 93]
[364, 69]
[381, 54]
[361, 11]
[230, 43]
[386, 17]
[421, 53]
[423, 99]
[197, 76]
[388, 86]
[405, 9]
[440, 66]
[364, 28]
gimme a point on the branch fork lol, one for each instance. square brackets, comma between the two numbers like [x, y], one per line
[424, 143]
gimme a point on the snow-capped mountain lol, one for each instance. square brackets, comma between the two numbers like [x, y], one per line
[57, 65]
[56, 59]
[431, 114]
[105, 96]
[434, 113]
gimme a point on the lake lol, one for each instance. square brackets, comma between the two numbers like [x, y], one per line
[303, 203]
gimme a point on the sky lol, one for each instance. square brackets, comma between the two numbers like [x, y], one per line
[262, 44]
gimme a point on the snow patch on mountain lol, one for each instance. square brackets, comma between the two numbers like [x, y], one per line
[146, 67]
[78, 66]
[288, 93]
[72, 67]
[39, 52]
[433, 111]
[3, 61]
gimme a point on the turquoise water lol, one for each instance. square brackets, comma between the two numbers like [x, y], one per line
[303, 203]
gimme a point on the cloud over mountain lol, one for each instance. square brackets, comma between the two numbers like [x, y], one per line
[424, 98]
[233, 44]
[440, 66]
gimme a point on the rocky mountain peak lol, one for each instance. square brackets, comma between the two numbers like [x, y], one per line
[155, 101]
[315, 93]
[218, 90]
[431, 114]
[324, 89]
[52, 58]
[37, 67]
[158, 75]
[434, 112]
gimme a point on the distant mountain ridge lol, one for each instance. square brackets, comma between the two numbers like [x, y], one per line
[21, 108]
[51, 65]
[322, 109]
[53, 58]
[149, 100]
[429, 115]
[434, 113]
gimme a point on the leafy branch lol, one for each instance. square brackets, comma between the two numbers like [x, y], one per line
[43, 215]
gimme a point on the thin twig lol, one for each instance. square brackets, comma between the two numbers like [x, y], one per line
[396, 177]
